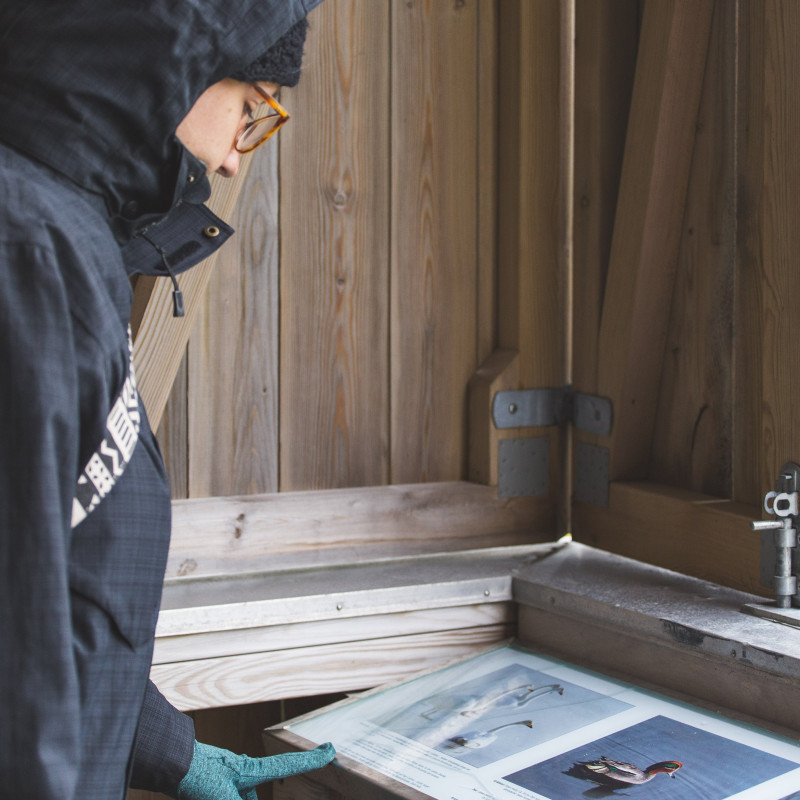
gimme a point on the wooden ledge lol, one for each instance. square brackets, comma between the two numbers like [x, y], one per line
[381, 587]
[658, 627]
[303, 530]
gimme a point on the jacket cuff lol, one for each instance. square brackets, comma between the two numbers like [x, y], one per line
[164, 745]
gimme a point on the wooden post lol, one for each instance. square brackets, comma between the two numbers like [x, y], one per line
[661, 130]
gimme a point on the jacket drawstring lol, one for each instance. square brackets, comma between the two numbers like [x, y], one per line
[177, 294]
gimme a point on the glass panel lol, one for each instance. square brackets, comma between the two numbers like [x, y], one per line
[514, 724]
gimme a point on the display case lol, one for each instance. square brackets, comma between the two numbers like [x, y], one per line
[515, 723]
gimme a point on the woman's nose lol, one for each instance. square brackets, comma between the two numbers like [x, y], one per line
[230, 166]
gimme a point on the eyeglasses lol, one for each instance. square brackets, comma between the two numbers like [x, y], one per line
[257, 132]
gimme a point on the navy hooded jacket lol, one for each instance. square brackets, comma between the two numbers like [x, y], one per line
[93, 187]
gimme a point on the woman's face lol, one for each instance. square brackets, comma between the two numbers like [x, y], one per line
[210, 127]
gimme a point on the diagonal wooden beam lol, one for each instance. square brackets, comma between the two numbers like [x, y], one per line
[644, 250]
[159, 338]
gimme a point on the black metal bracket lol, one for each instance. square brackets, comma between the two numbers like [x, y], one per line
[556, 406]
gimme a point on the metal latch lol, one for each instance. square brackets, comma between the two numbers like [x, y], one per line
[543, 407]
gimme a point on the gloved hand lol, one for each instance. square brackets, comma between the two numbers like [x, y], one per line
[217, 774]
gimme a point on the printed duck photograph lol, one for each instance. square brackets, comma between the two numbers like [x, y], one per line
[673, 760]
[500, 714]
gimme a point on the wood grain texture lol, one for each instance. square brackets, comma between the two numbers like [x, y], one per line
[160, 343]
[340, 667]
[780, 436]
[692, 442]
[692, 533]
[531, 192]
[661, 128]
[173, 435]
[217, 644]
[607, 32]
[532, 205]
[678, 669]
[499, 373]
[749, 459]
[334, 407]
[486, 228]
[301, 788]
[232, 396]
[433, 236]
[301, 529]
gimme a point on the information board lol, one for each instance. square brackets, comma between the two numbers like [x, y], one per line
[511, 723]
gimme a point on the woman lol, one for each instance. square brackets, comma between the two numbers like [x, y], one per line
[111, 116]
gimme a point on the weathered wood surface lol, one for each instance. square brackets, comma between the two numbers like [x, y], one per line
[160, 341]
[749, 459]
[499, 373]
[693, 434]
[216, 536]
[335, 192]
[232, 394]
[340, 667]
[778, 218]
[678, 529]
[434, 275]
[660, 138]
[725, 420]
[487, 110]
[377, 266]
[173, 649]
[605, 60]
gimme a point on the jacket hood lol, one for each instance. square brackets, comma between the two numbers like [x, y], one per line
[95, 89]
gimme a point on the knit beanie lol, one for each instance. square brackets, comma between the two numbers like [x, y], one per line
[281, 63]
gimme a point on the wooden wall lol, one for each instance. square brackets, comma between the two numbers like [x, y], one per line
[442, 208]
[342, 326]
[716, 373]
[477, 195]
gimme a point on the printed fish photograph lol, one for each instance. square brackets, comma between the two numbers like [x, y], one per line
[500, 714]
[658, 759]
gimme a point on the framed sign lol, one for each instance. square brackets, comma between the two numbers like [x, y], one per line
[512, 723]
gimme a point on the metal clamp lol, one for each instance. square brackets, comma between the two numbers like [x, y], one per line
[779, 537]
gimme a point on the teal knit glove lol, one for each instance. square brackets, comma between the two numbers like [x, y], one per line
[217, 774]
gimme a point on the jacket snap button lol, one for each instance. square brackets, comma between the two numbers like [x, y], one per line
[130, 210]
[212, 231]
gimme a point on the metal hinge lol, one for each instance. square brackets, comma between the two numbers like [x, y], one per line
[524, 463]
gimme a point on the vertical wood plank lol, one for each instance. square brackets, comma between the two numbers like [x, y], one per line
[334, 255]
[233, 351]
[435, 118]
[172, 436]
[671, 62]
[781, 240]
[692, 442]
[530, 241]
[607, 33]
[160, 342]
[531, 206]
[487, 121]
[499, 373]
[605, 60]
[748, 456]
